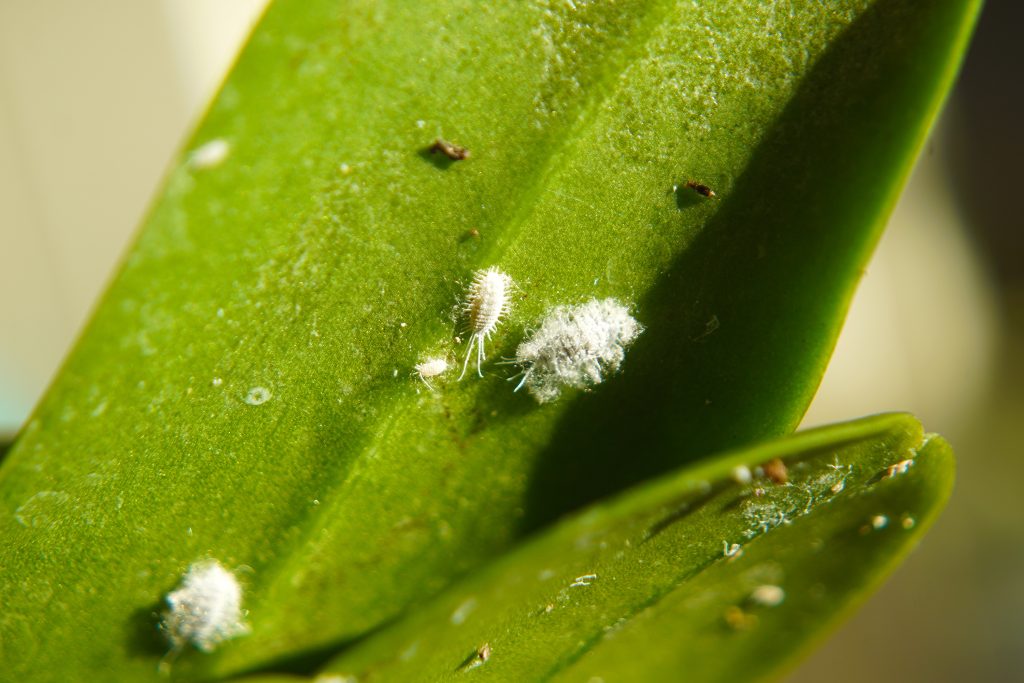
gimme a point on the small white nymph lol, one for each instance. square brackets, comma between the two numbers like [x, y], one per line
[487, 302]
[431, 367]
[576, 347]
[206, 609]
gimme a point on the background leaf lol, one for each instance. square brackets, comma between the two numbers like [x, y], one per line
[244, 392]
[694, 576]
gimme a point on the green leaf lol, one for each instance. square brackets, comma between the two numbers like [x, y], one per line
[245, 390]
[694, 576]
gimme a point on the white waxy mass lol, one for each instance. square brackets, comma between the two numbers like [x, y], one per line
[576, 347]
[206, 609]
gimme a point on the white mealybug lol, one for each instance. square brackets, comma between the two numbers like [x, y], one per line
[431, 367]
[487, 302]
[206, 609]
[576, 347]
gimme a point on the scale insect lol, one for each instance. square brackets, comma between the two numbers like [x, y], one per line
[487, 302]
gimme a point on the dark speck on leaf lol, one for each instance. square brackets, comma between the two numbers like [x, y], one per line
[702, 190]
[480, 656]
[449, 149]
[471, 234]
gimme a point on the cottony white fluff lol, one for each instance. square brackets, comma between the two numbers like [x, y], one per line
[487, 302]
[206, 610]
[576, 347]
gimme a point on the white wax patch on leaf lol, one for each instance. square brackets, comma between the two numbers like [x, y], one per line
[576, 347]
[206, 609]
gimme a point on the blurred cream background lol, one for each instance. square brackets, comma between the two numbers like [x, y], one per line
[95, 98]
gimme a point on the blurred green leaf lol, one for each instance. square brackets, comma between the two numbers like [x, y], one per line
[692, 577]
[245, 390]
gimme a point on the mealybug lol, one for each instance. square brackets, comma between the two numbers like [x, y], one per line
[431, 367]
[576, 347]
[206, 610]
[487, 302]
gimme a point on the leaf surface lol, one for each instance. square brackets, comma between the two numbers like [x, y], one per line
[245, 391]
[694, 576]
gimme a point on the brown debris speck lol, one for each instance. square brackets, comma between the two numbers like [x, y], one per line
[449, 149]
[478, 658]
[471, 235]
[700, 188]
[776, 471]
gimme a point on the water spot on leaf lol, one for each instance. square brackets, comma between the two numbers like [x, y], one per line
[258, 396]
[42, 509]
[463, 611]
[410, 652]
